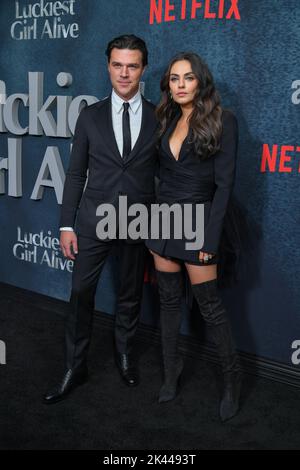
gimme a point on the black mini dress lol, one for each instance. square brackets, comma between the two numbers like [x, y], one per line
[192, 179]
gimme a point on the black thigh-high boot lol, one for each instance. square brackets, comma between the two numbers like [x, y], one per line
[214, 314]
[170, 292]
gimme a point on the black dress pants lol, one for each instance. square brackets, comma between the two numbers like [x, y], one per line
[91, 257]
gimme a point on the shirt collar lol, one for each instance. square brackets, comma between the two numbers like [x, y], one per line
[134, 103]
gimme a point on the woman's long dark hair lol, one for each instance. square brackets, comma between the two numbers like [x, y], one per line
[205, 119]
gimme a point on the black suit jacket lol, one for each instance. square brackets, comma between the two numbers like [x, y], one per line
[95, 151]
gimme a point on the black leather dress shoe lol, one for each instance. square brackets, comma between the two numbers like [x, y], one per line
[128, 371]
[72, 379]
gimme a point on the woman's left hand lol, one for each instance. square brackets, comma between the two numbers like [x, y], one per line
[205, 257]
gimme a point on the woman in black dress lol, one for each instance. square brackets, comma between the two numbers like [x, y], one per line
[198, 146]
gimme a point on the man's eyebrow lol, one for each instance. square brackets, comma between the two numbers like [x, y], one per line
[115, 62]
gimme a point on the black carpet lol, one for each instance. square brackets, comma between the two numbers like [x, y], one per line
[105, 414]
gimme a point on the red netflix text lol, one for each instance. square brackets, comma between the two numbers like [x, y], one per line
[281, 159]
[166, 10]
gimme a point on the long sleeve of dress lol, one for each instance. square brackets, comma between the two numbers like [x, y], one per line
[224, 175]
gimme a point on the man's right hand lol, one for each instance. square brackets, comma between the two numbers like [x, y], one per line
[68, 244]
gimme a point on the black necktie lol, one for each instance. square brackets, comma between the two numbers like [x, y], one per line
[126, 131]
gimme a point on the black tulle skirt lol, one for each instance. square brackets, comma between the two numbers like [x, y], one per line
[236, 245]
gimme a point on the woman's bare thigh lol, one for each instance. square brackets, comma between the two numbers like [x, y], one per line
[198, 274]
[164, 264]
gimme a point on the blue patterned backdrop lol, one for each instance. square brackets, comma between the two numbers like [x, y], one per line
[255, 61]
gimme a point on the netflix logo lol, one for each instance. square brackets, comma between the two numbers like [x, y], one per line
[281, 159]
[172, 10]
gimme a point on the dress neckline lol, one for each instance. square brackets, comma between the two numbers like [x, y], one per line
[171, 129]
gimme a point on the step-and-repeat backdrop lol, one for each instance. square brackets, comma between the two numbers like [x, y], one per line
[52, 61]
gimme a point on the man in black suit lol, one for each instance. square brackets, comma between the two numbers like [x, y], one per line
[114, 149]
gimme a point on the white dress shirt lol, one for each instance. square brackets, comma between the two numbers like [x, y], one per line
[135, 117]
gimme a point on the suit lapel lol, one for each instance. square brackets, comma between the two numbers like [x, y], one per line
[104, 124]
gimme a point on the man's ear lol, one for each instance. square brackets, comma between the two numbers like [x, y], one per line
[144, 70]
